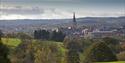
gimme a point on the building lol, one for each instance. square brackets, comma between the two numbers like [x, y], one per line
[101, 34]
[74, 25]
[73, 30]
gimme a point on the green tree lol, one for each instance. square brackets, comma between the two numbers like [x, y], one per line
[113, 44]
[4, 51]
[23, 36]
[109, 40]
[58, 36]
[45, 53]
[1, 34]
[41, 34]
[74, 48]
[73, 56]
[99, 52]
[23, 53]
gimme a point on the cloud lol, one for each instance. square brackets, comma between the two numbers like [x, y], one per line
[32, 13]
[21, 10]
[37, 12]
[38, 0]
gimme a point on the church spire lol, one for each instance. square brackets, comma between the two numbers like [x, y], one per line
[74, 17]
[74, 21]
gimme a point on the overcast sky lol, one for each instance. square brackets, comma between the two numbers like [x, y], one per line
[59, 9]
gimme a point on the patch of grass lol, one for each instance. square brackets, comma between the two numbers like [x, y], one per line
[11, 42]
[112, 62]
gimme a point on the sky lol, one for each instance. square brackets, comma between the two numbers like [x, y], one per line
[60, 9]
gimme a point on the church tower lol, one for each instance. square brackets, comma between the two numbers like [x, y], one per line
[74, 21]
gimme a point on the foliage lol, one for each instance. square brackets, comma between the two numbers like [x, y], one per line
[22, 36]
[74, 47]
[99, 52]
[23, 53]
[4, 51]
[37, 52]
[109, 40]
[113, 44]
[46, 35]
[121, 56]
[73, 44]
[48, 54]
[73, 57]
[57, 36]
[1, 34]
[41, 34]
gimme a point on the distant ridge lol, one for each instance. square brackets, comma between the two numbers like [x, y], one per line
[67, 18]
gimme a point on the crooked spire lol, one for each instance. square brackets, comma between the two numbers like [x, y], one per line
[74, 21]
[74, 17]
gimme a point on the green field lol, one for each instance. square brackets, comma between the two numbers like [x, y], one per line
[11, 42]
[14, 42]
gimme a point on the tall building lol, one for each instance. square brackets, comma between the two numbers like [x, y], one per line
[74, 26]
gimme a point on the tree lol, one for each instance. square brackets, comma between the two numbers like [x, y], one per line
[41, 34]
[48, 53]
[58, 36]
[37, 52]
[3, 51]
[113, 44]
[121, 56]
[73, 56]
[23, 53]
[36, 34]
[1, 34]
[73, 44]
[23, 35]
[109, 40]
[99, 52]
[74, 48]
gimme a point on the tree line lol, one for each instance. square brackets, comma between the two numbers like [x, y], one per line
[72, 50]
[49, 35]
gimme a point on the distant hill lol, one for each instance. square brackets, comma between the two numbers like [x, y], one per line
[26, 24]
[60, 21]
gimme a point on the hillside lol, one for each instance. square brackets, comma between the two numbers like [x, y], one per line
[14, 42]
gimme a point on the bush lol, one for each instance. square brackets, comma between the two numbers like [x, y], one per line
[99, 52]
[121, 56]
